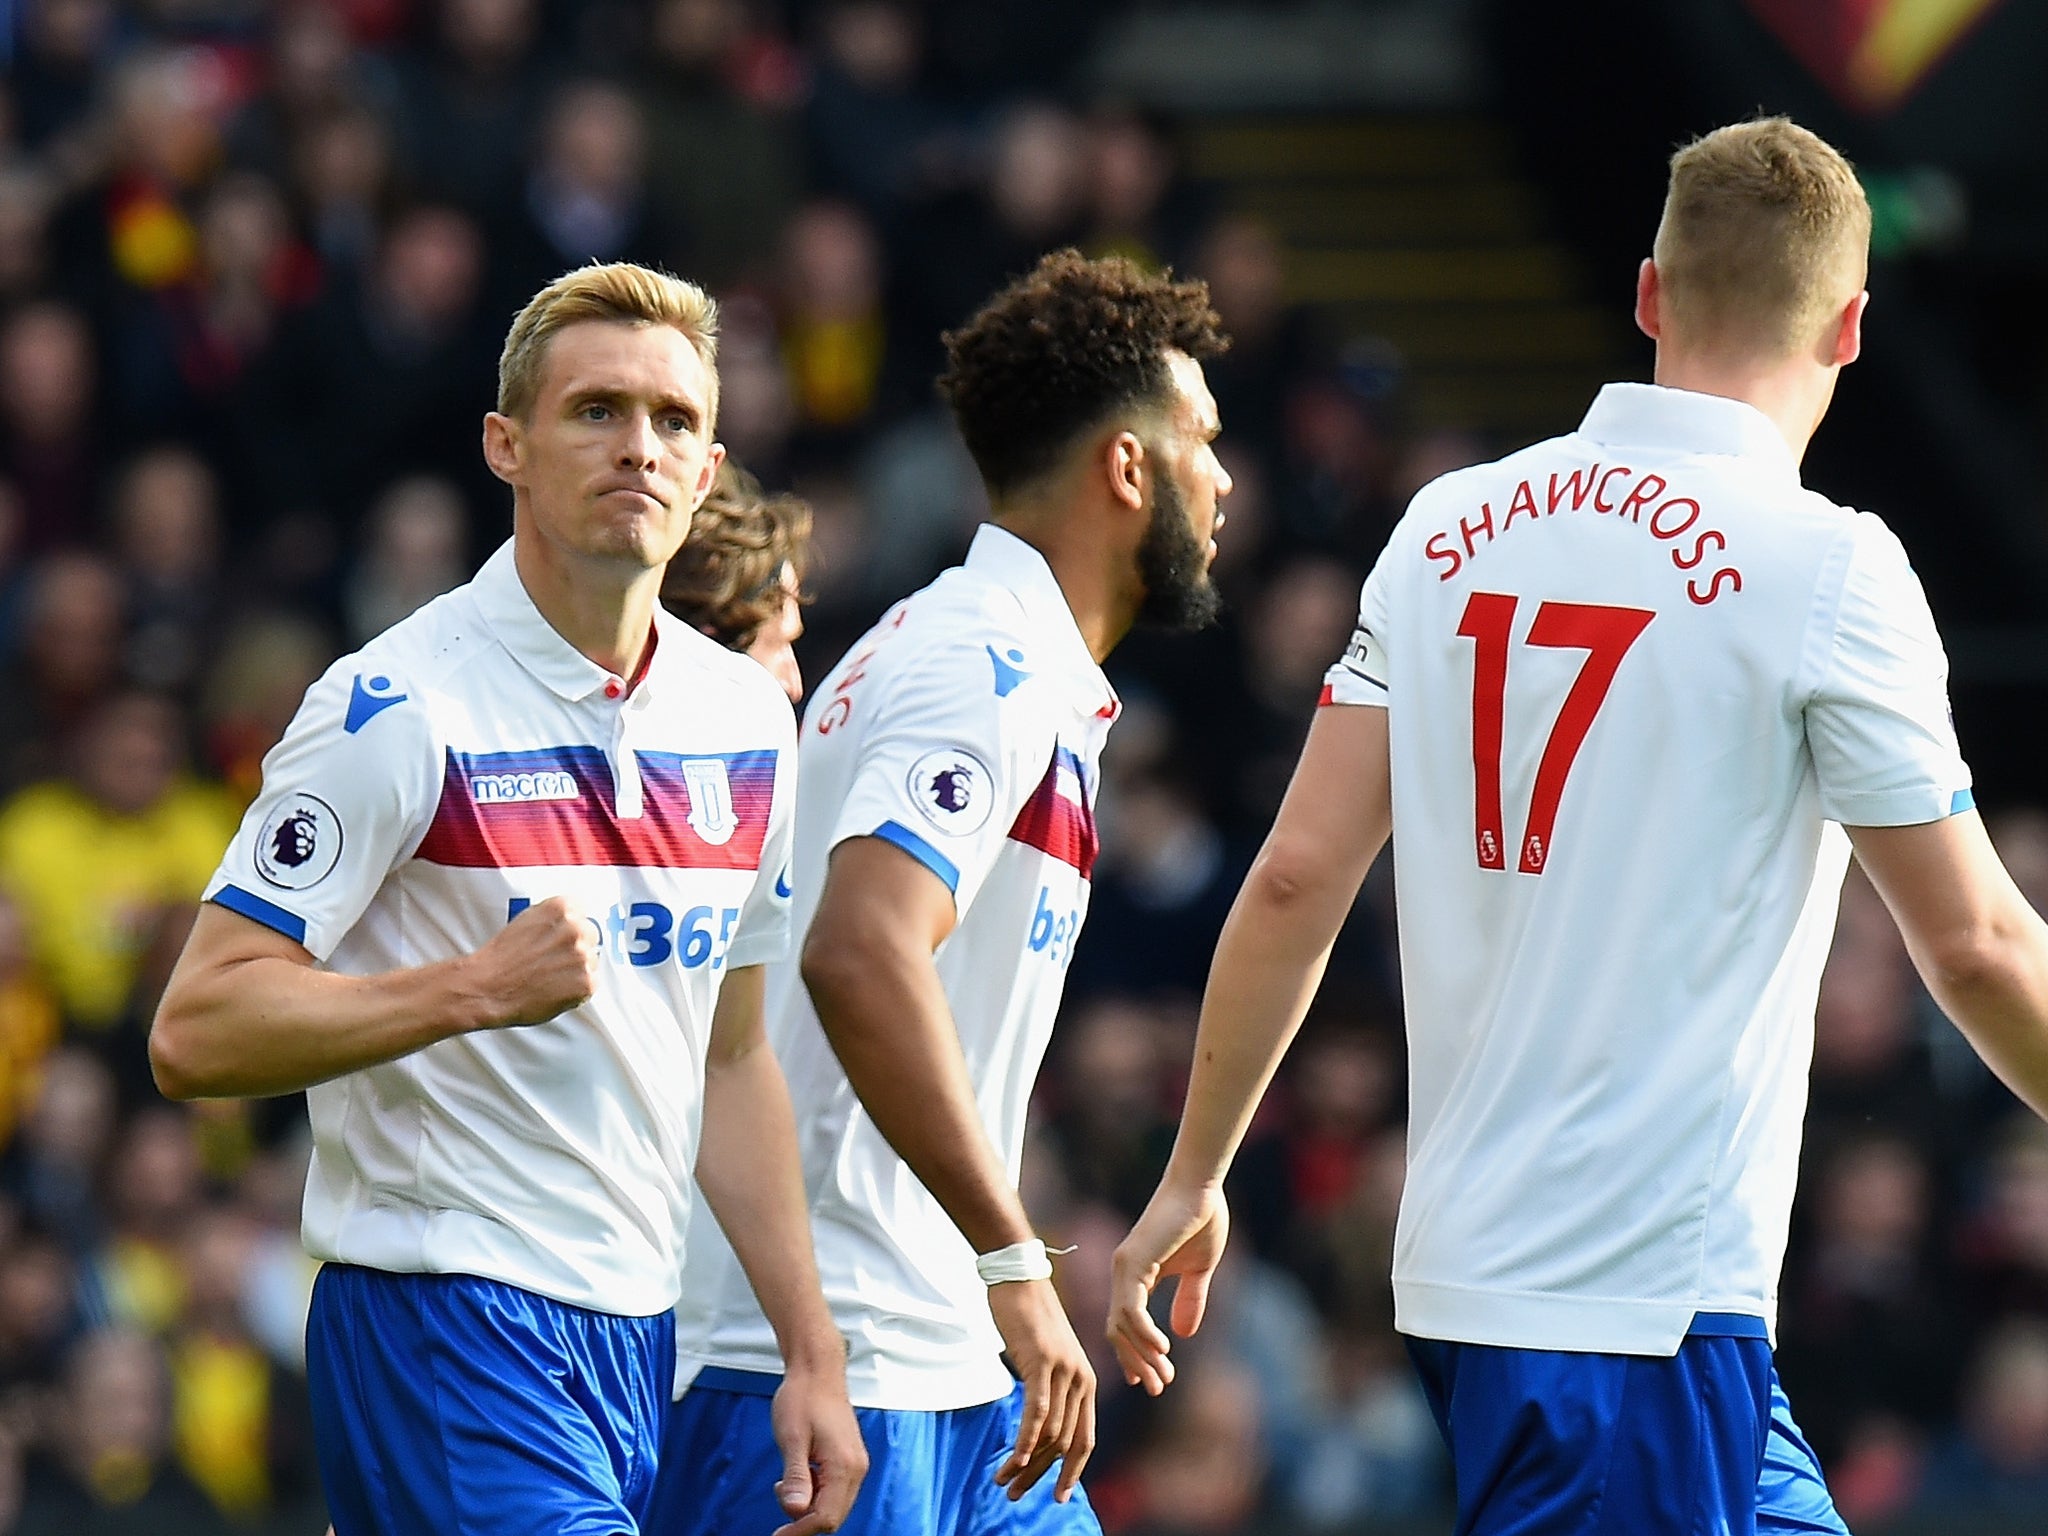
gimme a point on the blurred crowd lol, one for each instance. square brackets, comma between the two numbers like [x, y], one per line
[256, 258]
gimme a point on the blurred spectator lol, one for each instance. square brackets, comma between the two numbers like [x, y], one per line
[55, 75]
[585, 198]
[266, 664]
[1996, 1464]
[471, 98]
[277, 1284]
[729, 159]
[47, 447]
[388, 377]
[104, 860]
[53, 1166]
[2021, 837]
[835, 338]
[1297, 1175]
[413, 553]
[110, 1473]
[1333, 493]
[1375, 1453]
[167, 535]
[1870, 1062]
[315, 74]
[967, 243]
[242, 1428]
[134, 231]
[1270, 339]
[1163, 884]
[24, 234]
[920, 484]
[1297, 627]
[185, 344]
[1867, 1334]
[38, 1317]
[28, 1021]
[1109, 1123]
[1202, 1467]
[152, 1196]
[343, 178]
[871, 129]
[756, 410]
[1130, 174]
[2004, 1246]
[68, 658]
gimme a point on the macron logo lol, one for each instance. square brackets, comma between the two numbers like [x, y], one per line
[518, 788]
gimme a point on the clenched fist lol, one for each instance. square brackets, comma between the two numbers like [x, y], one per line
[544, 962]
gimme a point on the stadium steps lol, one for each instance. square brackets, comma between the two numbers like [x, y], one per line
[1421, 231]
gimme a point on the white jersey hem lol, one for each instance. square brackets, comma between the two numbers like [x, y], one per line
[1585, 1325]
[918, 1390]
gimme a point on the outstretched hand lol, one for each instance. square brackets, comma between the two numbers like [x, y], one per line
[1182, 1234]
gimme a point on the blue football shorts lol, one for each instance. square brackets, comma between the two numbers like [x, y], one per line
[929, 1473]
[448, 1405]
[1549, 1443]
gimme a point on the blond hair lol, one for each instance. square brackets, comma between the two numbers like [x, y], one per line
[1765, 237]
[617, 291]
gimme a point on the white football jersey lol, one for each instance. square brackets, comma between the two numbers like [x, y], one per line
[467, 763]
[964, 729]
[1633, 675]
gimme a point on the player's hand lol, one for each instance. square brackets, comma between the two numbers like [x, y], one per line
[1182, 1233]
[1059, 1387]
[541, 963]
[823, 1455]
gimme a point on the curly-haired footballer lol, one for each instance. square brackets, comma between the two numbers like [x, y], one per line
[944, 846]
[740, 576]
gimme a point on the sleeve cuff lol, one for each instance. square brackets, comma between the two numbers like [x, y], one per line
[248, 904]
[758, 948]
[922, 851]
[1899, 807]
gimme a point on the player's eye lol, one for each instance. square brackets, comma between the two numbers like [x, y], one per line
[595, 412]
[676, 423]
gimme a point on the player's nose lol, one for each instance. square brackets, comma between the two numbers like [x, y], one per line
[640, 444]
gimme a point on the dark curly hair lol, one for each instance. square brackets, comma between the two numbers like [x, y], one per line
[727, 579]
[1062, 349]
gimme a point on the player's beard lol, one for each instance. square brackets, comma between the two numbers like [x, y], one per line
[1174, 566]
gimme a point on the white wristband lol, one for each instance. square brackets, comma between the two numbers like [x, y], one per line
[1027, 1260]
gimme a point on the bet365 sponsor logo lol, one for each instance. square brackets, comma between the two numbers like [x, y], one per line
[648, 933]
[1053, 933]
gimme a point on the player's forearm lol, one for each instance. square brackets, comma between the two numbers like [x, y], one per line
[884, 1010]
[748, 1169]
[1269, 962]
[266, 1025]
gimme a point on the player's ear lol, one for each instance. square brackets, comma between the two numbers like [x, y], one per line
[501, 445]
[1647, 292]
[1849, 331]
[708, 475]
[1123, 462]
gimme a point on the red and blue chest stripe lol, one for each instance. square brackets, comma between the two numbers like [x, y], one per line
[1060, 826]
[476, 826]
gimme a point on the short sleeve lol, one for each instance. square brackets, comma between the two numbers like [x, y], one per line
[346, 796]
[1878, 724]
[947, 763]
[763, 933]
[1360, 674]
